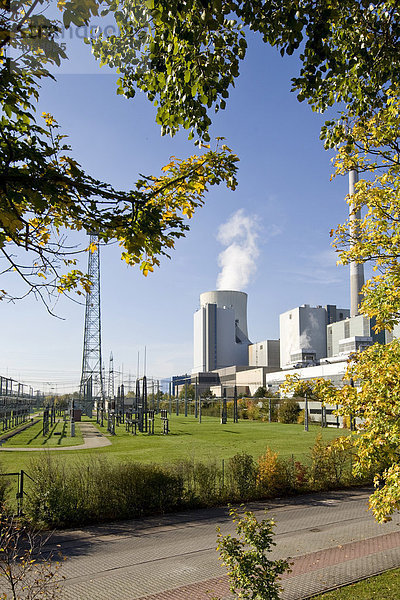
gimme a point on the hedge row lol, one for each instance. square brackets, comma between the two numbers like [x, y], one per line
[98, 490]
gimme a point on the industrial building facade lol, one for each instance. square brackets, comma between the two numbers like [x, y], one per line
[315, 341]
[220, 331]
[303, 333]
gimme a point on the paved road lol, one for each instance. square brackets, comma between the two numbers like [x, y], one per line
[331, 537]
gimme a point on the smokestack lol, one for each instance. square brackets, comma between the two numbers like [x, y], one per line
[356, 269]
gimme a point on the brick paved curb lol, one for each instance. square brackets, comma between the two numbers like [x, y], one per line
[203, 590]
[301, 565]
[173, 556]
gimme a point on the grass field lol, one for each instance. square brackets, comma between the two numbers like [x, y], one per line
[385, 586]
[190, 440]
[58, 436]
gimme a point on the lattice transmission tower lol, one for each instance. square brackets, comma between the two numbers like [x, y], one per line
[92, 386]
[111, 391]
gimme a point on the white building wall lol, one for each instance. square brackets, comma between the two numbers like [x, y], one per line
[199, 341]
[333, 371]
[229, 299]
[355, 326]
[253, 379]
[289, 327]
[264, 354]
[215, 331]
[302, 328]
[313, 330]
[396, 332]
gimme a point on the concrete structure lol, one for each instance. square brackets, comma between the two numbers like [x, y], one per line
[353, 334]
[356, 269]
[329, 370]
[303, 333]
[264, 354]
[227, 379]
[220, 331]
[396, 332]
[246, 379]
[252, 379]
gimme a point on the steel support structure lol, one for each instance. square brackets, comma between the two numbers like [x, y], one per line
[92, 387]
[111, 391]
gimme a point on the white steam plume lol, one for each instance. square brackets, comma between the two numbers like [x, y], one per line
[238, 260]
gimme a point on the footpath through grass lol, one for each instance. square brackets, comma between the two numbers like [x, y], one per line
[189, 439]
[385, 586]
[32, 437]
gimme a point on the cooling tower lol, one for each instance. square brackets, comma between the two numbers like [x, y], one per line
[220, 331]
[229, 299]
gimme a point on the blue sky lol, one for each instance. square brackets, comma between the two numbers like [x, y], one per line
[284, 187]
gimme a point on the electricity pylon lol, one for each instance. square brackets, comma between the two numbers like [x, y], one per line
[111, 393]
[92, 388]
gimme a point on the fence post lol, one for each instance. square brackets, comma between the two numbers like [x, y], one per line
[186, 400]
[20, 493]
[235, 406]
[224, 416]
[200, 408]
[306, 413]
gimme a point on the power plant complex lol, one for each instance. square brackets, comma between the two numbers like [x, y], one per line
[314, 341]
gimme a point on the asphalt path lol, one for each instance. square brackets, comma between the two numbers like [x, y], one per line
[332, 539]
[92, 438]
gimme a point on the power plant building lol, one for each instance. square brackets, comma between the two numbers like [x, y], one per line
[220, 331]
[352, 335]
[315, 341]
[303, 337]
[264, 354]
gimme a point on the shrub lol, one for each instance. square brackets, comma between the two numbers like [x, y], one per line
[261, 392]
[242, 408]
[274, 409]
[184, 469]
[300, 475]
[253, 410]
[329, 462]
[346, 422]
[273, 475]
[206, 479]
[288, 411]
[99, 491]
[4, 486]
[242, 474]
[246, 556]
[25, 570]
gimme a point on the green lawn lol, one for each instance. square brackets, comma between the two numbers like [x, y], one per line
[32, 437]
[385, 586]
[188, 439]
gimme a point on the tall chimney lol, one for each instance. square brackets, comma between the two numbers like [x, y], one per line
[356, 269]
